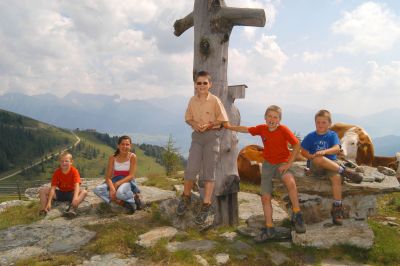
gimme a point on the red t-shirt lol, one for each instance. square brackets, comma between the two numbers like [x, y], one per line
[66, 182]
[275, 142]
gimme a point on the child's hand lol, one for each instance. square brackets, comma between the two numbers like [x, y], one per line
[283, 168]
[320, 153]
[112, 193]
[75, 202]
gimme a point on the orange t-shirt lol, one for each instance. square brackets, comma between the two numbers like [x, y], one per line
[275, 142]
[66, 182]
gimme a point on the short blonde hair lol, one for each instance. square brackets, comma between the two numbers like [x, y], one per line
[274, 108]
[323, 113]
[64, 154]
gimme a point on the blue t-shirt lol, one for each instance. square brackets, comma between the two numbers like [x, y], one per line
[314, 142]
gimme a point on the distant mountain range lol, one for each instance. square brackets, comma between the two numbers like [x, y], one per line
[152, 120]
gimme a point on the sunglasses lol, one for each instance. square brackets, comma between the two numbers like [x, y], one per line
[202, 83]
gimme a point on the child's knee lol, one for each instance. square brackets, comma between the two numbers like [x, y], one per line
[266, 197]
[44, 191]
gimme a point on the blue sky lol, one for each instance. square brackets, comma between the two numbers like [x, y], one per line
[339, 55]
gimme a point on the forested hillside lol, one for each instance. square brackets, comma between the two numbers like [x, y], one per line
[23, 139]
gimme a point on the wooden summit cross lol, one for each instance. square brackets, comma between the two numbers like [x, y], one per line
[213, 22]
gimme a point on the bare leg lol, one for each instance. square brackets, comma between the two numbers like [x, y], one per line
[44, 197]
[290, 184]
[187, 187]
[208, 191]
[267, 208]
[336, 181]
[81, 196]
[326, 163]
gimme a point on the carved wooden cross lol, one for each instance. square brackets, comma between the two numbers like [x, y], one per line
[213, 22]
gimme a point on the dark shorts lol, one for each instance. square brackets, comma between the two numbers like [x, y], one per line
[64, 196]
[268, 172]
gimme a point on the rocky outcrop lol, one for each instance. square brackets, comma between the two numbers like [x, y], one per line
[325, 235]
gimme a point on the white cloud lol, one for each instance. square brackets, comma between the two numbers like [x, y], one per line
[312, 57]
[270, 50]
[372, 27]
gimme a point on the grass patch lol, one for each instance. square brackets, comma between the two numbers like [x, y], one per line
[54, 260]
[249, 187]
[9, 197]
[389, 205]
[163, 182]
[20, 215]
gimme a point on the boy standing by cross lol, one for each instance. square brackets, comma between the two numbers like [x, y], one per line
[278, 160]
[205, 114]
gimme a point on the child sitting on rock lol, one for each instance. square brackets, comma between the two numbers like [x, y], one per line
[320, 148]
[65, 186]
[120, 185]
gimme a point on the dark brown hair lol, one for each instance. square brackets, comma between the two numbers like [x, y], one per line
[120, 139]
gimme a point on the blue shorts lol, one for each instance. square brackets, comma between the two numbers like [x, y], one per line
[64, 195]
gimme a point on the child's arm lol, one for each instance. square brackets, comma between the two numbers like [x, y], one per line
[284, 167]
[50, 198]
[241, 129]
[306, 154]
[332, 150]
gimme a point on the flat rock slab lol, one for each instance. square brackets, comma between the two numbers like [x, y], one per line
[192, 245]
[322, 185]
[150, 238]
[330, 262]
[9, 257]
[153, 194]
[250, 204]
[221, 258]
[53, 236]
[110, 259]
[325, 235]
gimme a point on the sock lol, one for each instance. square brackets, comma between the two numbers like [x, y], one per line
[269, 225]
[295, 210]
[337, 203]
[341, 169]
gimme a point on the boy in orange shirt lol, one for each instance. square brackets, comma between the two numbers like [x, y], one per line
[278, 160]
[67, 179]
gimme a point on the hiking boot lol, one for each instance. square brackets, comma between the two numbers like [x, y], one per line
[131, 206]
[352, 175]
[201, 217]
[298, 223]
[42, 213]
[70, 212]
[266, 233]
[183, 205]
[139, 203]
[337, 214]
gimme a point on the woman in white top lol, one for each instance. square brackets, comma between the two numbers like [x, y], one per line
[120, 185]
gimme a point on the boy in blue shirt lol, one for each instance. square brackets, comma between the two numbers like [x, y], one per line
[320, 148]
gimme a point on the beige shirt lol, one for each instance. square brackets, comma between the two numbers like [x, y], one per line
[208, 111]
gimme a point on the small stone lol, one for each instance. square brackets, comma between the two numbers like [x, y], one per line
[241, 246]
[200, 260]
[150, 238]
[222, 258]
[277, 257]
[393, 223]
[229, 236]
